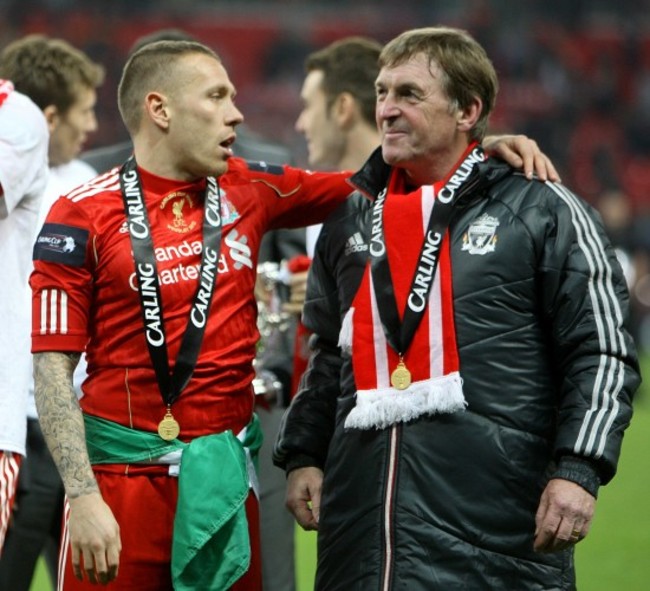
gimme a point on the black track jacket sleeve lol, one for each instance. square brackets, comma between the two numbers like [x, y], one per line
[584, 300]
[308, 424]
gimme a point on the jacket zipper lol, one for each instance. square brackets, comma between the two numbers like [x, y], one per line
[389, 496]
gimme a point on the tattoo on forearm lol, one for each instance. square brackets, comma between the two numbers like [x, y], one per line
[62, 421]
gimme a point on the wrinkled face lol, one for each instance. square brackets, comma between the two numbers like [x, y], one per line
[415, 117]
[325, 140]
[68, 132]
[202, 117]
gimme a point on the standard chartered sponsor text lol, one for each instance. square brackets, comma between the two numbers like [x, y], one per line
[181, 272]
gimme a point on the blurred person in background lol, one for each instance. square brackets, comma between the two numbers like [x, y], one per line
[629, 232]
[337, 121]
[615, 208]
[62, 81]
[274, 370]
[283, 358]
[459, 444]
[23, 176]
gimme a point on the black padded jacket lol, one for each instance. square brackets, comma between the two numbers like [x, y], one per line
[448, 501]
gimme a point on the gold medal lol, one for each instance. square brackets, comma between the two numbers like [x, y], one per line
[401, 376]
[168, 428]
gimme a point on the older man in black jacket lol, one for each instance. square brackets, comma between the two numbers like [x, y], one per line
[471, 377]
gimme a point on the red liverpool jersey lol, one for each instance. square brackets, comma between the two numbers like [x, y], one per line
[85, 289]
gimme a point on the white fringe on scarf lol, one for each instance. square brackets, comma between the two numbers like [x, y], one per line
[383, 407]
[345, 336]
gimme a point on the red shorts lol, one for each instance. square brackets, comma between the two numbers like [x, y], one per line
[144, 503]
[9, 467]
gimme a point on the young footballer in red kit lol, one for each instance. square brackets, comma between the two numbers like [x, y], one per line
[151, 268]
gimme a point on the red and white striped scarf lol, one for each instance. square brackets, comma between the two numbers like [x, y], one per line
[432, 357]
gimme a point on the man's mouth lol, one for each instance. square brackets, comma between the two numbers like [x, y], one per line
[227, 144]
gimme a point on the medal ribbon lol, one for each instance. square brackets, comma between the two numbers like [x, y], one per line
[463, 180]
[171, 384]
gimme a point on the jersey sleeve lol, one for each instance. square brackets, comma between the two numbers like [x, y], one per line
[62, 280]
[295, 197]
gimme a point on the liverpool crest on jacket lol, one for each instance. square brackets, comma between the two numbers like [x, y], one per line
[481, 236]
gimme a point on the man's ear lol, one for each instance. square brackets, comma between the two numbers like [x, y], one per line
[466, 118]
[345, 110]
[52, 117]
[157, 108]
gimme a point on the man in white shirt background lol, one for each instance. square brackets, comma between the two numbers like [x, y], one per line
[62, 81]
[23, 175]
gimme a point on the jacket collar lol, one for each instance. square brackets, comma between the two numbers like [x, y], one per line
[373, 176]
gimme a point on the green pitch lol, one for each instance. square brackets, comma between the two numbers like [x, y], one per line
[615, 554]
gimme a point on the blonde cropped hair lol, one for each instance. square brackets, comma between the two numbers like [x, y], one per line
[151, 68]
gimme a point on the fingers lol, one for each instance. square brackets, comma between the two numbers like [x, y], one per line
[76, 563]
[106, 564]
[303, 496]
[545, 169]
[546, 527]
[100, 566]
[304, 511]
[576, 534]
[112, 573]
[292, 307]
[563, 517]
[523, 153]
[566, 535]
[89, 565]
[315, 504]
[531, 157]
[298, 279]
[517, 160]
[94, 539]
[298, 283]
[542, 165]
[304, 516]
[534, 160]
